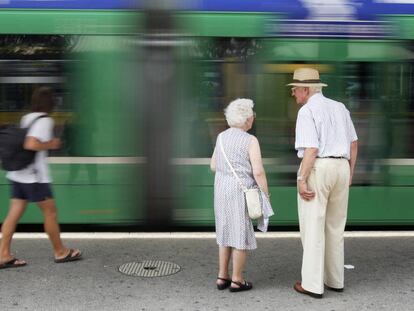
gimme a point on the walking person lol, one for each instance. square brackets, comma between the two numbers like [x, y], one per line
[326, 142]
[234, 228]
[33, 183]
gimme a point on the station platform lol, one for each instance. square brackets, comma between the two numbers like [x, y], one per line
[379, 274]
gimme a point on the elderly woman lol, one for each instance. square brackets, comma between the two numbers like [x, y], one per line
[234, 228]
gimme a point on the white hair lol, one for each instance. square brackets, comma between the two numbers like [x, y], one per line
[238, 111]
[315, 89]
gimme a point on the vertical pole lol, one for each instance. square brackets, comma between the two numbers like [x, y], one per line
[159, 97]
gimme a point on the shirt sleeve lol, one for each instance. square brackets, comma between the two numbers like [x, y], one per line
[352, 131]
[41, 129]
[306, 134]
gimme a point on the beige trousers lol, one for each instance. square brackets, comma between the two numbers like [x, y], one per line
[322, 224]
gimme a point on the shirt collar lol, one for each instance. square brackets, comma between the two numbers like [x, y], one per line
[315, 97]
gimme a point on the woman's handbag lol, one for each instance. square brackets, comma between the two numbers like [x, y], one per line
[254, 206]
[252, 195]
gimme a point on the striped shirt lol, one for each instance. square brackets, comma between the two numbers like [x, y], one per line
[324, 124]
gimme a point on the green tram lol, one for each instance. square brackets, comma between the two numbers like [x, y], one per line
[140, 98]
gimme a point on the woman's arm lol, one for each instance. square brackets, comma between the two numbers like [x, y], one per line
[32, 143]
[257, 165]
[213, 161]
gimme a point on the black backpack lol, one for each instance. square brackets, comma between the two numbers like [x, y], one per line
[13, 156]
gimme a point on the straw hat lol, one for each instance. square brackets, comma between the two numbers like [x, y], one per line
[306, 77]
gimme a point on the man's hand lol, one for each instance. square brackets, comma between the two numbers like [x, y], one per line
[304, 193]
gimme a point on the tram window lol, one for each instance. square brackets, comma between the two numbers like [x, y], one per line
[399, 94]
[26, 62]
[359, 85]
[223, 71]
[12, 97]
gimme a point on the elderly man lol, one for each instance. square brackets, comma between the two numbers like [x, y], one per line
[327, 143]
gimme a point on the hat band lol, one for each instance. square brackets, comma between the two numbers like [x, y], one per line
[307, 81]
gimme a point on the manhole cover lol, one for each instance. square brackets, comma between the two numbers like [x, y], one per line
[149, 268]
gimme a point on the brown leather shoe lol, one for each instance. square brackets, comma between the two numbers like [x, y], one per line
[339, 290]
[298, 287]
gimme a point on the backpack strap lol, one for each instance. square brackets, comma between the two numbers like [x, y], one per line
[28, 128]
[35, 119]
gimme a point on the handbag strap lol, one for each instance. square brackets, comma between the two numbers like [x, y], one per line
[231, 167]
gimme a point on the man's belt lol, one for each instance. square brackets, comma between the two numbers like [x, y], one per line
[331, 157]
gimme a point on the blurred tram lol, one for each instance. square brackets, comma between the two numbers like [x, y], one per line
[141, 88]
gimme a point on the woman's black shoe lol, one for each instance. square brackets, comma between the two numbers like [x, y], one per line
[242, 287]
[226, 283]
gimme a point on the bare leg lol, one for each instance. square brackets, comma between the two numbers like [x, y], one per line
[52, 229]
[239, 260]
[16, 210]
[224, 259]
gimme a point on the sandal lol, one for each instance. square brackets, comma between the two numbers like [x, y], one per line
[12, 263]
[242, 286]
[224, 285]
[71, 256]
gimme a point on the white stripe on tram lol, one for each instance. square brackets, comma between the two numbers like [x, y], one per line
[403, 162]
[96, 160]
[183, 161]
[204, 235]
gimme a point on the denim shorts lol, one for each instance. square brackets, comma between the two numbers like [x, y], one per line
[35, 192]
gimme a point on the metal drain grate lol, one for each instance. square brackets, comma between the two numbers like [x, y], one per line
[149, 268]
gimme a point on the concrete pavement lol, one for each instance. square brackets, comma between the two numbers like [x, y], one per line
[383, 277]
